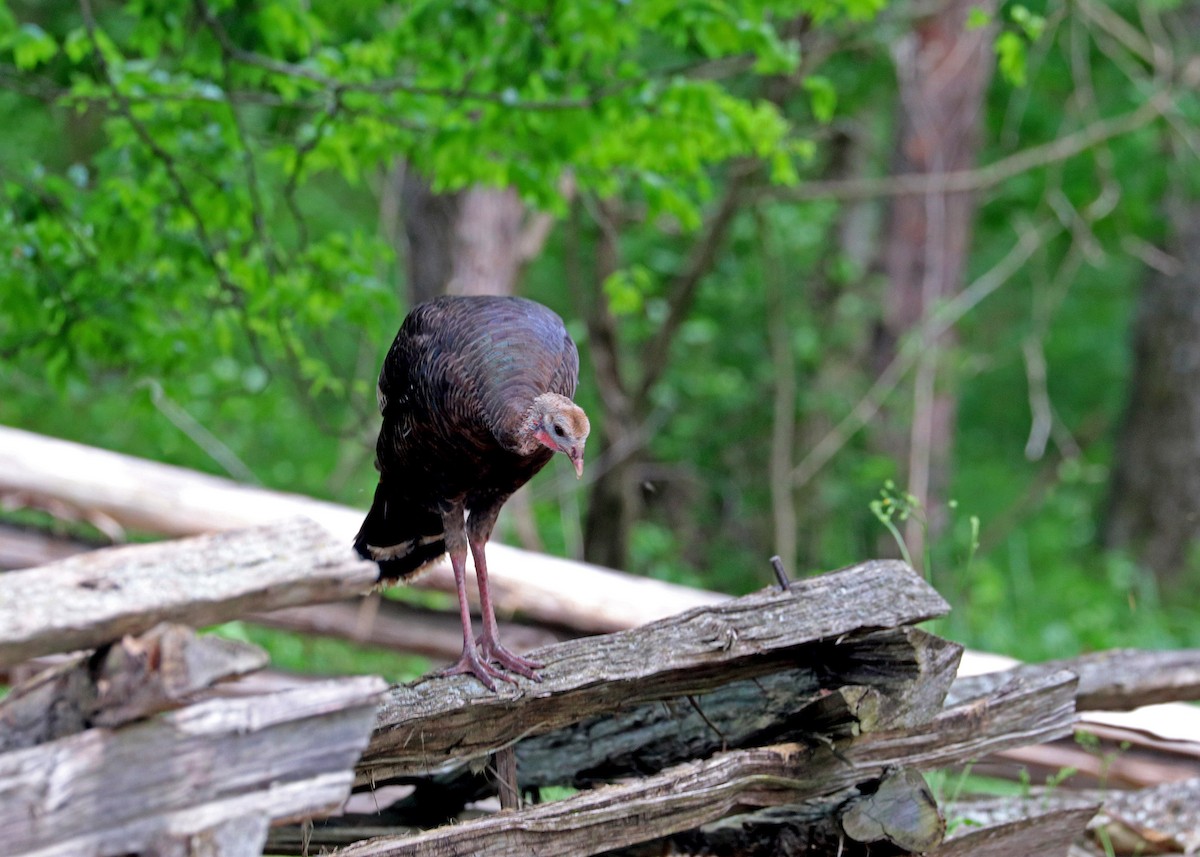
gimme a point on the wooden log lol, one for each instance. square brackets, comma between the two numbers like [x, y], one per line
[1114, 680]
[235, 837]
[816, 825]
[92, 599]
[187, 772]
[1042, 823]
[1162, 819]
[128, 681]
[375, 621]
[899, 810]
[795, 703]
[1046, 832]
[158, 498]
[692, 794]
[427, 724]
[21, 547]
[780, 706]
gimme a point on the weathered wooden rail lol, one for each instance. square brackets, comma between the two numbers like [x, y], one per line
[785, 720]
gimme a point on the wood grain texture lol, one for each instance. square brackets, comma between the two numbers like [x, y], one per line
[92, 599]
[128, 681]
[692, 794]
[427, 724]
[893, 671]
[158, 498]
[1114, 680]
[281, 756]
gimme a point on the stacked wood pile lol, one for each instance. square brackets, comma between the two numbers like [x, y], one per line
[130, 746]
[793, 721]
[798, 720]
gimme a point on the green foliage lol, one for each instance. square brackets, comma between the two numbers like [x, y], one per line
[190, 199]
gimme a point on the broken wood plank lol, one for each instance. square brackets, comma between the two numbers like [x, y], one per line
[158, 498]
[92, 599]
[1114, 680]
[692, 794]
[133, 679]
[816, 825]
[426, 724]
[285, 755]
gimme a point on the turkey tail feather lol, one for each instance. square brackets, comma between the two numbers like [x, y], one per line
[401, 536]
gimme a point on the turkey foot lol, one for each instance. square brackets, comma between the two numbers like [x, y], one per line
[494, 652]
[471, 664]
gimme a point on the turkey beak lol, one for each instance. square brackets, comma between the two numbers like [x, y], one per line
[576, 455]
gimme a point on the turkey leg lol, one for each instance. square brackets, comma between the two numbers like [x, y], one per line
[470, 662]
[489, 641]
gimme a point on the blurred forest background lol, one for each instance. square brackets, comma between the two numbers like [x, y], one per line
[848, 277]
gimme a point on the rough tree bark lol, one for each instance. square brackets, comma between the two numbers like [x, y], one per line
[943, 67]
[474, 241]
[1154, 494]
[463, 243]
[615, 497]
[1154, 504]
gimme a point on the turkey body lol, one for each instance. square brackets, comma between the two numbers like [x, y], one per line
[475, 394]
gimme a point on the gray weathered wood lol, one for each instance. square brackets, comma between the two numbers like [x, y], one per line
[1162, 819]
[900, 810]
[132, 679]
[647, 738]
[158, 498]
[897, 669]
[283, 755]
[689, 795]
[244, 836]
[1114, 680]
[95, 598]
[1044, 833]
[427, 724]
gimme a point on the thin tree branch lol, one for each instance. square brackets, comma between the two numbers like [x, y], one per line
[234, 292]
[988, 176]
[941, 320]
[381, 86]
[682, 290]
[783, 410]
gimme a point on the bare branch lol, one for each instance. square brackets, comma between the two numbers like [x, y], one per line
[683, 289]
[941, 320]
[1060, 149]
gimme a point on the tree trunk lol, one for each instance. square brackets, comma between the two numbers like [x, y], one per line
[943, 69]
[474, 241]
[1154, 502]
[614, 502]
[464, 243]
[1154, 493]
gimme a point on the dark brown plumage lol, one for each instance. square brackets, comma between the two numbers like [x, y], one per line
[475, 396]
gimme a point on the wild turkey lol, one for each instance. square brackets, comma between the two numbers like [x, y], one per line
[475, 396]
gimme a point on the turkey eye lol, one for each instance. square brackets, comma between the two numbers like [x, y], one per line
[558, 430]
